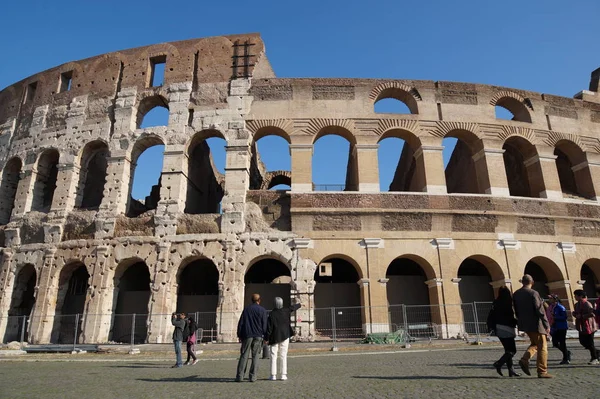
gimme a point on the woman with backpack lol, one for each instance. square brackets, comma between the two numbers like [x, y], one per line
[503, 321]
[190, 337]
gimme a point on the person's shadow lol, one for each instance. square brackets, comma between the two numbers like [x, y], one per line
[425, 377]
[191, 378]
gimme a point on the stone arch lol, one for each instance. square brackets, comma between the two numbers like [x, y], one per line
[22, 301]
[350, 178]
[276, 178]
[265, 131]
[46, 180]
[573, 169]
[204, 189]
[11, 175]
[73, 284]
[146, 104]
[131, 296]
[476, 273]
[590, 273]
[399, 91]
[523, 169]
[466, 171]
[514, 103]
[136, 207]
[270, 277]
[93, 164]
[544, 272]
[409, 174]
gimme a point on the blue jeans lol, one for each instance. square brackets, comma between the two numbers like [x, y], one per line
[177, 344]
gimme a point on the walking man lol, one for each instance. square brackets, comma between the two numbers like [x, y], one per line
[531, 318]
[178, 321]
[585, 321]
[251, 330]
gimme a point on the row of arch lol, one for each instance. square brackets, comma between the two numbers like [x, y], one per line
[198, 288]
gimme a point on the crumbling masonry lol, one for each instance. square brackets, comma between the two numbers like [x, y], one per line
[518, 195]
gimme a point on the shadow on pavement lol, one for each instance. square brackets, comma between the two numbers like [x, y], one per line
[188, 379]
[427, 377]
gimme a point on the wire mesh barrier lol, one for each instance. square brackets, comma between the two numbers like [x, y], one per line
[387, 324]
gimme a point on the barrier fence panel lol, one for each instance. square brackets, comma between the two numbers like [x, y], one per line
[207, 326]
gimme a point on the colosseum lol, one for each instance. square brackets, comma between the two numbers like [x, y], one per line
[78, 253]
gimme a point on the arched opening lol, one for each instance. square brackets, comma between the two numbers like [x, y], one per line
[407, 286]
[395, 101]
[130, 309]
[8, 189]
[524, 178]
[474, 286]
[204, 179]
[279, 180]
[400, 148]
[146, 171]
[545, 271]
[590, 273]
[45, 182]
[152, 111]
[334, 163]
[92, 175]
[509, 108]
[21, 304]
[198, 294]
[573, 170]
[271, 153]
[270, 278]
[337, 286]
[465, 173]
[73, 283]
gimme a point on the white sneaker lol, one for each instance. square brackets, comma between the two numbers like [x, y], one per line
[595, 361]
[284, 377]
[272, 378]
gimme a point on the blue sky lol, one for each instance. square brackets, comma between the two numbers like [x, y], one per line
[540, 45]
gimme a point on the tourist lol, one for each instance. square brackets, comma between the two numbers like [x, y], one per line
[502, 320]
[278, 336]
[178, 321]
[191, 341]
[585, 322]
[250, 331]
[559, 326]
[531, 317]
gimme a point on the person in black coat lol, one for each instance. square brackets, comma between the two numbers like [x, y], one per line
[502, 320]
[251, 331]
[278, 336]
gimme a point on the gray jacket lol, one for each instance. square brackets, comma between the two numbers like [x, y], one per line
[529, 308]
[178, 330]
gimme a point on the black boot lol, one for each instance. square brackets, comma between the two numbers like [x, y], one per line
[509, 364]
[498, 365]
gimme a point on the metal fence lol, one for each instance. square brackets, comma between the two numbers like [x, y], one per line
[415, 322]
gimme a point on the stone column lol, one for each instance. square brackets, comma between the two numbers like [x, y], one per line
[543, 169]
[433, 166]
[115, 198]
[491, 172]
[67, 180]
[589, 170]
[42, 316]
[24, 196]
[438, 311]
[377, 312]
[163, 298]
[572, 273]
[7, 282]
[173, 190]
[301, 154]
[99, 300]
[304, 289]
[368, 167]
[231, 292]
[562, 288]
[237, 182]
[365, 302]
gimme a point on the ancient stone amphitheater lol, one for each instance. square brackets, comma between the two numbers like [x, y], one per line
[517, 196]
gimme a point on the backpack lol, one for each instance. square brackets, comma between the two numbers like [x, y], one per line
[186, 330]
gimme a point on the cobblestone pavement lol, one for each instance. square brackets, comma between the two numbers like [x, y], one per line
[438, 372]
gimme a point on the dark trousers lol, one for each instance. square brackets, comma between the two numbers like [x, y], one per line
[509, 345]
[191, 348]
[559, 340]
[253, 345]
[587, 341]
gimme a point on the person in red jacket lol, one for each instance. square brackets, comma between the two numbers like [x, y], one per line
[585, 322]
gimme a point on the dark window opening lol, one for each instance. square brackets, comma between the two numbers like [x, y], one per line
[66, 79]
[205, 176]
[30, 92]
[70, 302]
[45, 184]
[133, 295]
[92, 176]
[21, 304]
[270, 278]
[157, 70]
[8, 190]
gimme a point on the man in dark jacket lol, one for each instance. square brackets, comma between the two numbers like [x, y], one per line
[531, 318]
[251, 330]
[178, 321]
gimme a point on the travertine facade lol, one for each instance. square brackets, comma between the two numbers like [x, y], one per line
[516, 195]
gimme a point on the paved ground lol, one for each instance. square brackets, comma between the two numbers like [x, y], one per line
[463, 372]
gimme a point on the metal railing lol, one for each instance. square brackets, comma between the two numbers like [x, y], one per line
[466, 321]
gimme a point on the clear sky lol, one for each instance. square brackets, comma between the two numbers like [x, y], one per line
[547, 46]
